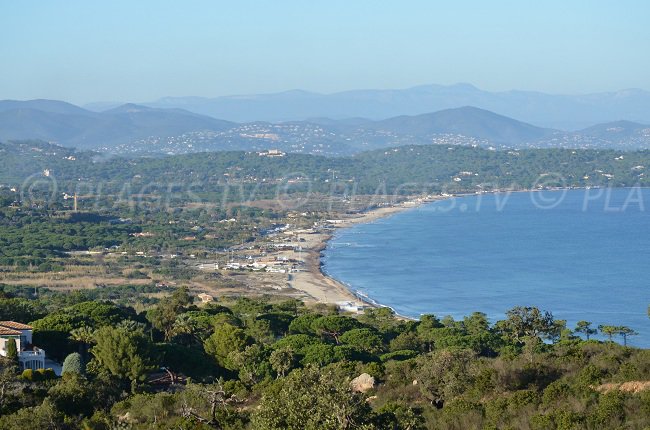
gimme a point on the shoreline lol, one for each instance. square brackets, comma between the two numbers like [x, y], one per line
[323, 288]
[336, 292]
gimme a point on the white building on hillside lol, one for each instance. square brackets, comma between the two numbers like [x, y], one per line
[29, 356]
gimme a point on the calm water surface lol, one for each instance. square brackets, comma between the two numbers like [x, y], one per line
[581, 254]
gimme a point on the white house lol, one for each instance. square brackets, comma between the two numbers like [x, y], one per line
[29, 356]
[351, 307]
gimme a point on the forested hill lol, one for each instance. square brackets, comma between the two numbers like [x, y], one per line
[138, 130]
[431, 168]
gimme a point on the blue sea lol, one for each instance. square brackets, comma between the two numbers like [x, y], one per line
[581, 254]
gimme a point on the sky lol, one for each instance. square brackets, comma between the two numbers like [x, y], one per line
[140, 50]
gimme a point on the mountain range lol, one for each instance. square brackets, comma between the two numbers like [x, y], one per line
[71, 125]
[565, 112]
[132, 128]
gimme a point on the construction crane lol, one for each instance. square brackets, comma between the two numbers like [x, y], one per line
[75, 200]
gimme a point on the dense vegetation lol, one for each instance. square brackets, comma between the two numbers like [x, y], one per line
[280, 365]
[237, 176]
[37, 235]
[31, 237]
[138, 353]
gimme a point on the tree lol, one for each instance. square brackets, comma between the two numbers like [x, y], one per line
[123, 353]
[278, 322]
[319, 354]
[282, 360]
[8, 381]
[52, 332]
[309, 399]
[185, 330]
[425, 330]
[211, 404]
[624, 332]
[260, 330]
[43, 416]
[526, 321]
[362, 339]
[194, 327]
[444, 374]
[12, 350]
[476, 324]
[407, 340]
[85, 336]
[334, 326]
[73, 395]
[164, 315]
[297, 342]
[382, 318]
[584, 327]
[400, 416]
[252, 363]
[73, 364]
[303, 324]
[609, 330]
[226, 339]
[19, 309]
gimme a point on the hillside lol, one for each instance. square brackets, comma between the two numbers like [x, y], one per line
[137, 130]
[73, 126]
[53, 106]
[468, 121]
[617, 130]
[426, 169]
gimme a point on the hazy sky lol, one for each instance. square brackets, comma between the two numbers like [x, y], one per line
[139, 50]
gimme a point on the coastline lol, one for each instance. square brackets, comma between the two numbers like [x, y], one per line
[321, 287]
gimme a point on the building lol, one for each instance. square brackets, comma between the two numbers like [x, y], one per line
[353, 307]
[205, 298]
[29, 356]
[271, 153]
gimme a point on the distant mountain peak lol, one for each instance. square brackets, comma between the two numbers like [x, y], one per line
[567, 112]
[44, 105]
[464, 86]
[130, 108]
[299, 92]
[468, 108]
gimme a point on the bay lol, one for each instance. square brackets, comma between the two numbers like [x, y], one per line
[581, 254]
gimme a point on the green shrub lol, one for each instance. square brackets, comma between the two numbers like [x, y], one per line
[45, 374]
[28, 375]
[73, 364]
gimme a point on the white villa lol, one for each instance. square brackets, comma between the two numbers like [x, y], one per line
[29, 356]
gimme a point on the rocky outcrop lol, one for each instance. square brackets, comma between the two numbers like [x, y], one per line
[627, 387]
[362, 383]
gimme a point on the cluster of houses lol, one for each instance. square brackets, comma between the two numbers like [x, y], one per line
[29, 356]
[269, 257]
[271, 152]
[268, 264]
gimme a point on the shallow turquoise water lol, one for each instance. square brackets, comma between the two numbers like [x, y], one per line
[581, 254]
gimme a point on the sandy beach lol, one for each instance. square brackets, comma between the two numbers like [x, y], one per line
[312, 281]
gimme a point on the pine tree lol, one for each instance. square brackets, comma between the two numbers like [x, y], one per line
[12, 350]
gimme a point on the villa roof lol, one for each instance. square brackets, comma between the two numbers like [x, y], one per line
[4, 331]
[15, 325]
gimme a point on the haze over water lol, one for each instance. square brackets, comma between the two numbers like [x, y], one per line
[581, 254]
